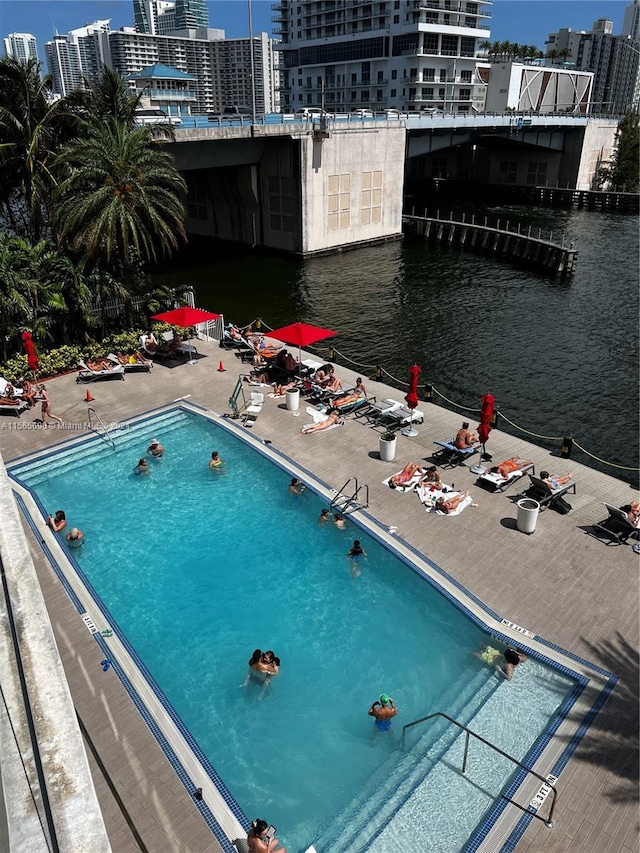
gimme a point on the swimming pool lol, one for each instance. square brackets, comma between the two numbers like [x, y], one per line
[198, 568]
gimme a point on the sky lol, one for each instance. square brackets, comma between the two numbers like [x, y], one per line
[522, 21]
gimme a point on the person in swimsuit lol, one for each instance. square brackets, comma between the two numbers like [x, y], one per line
[155, 449]
[296, 487]
[488, 654]
[431, 478]
[215, 462]
[505, 469]
[383, 712]
[29, 391]
[633, 512]
[45, 406]
[356, 554]
[513, 657]
[324, 516]
[332, 418]
[464, 438]
[339, 521]
[449, 505]
[259, 841]
[75, 538]
[555, 482]
[405, 475]
[142, 468]
[58, 521]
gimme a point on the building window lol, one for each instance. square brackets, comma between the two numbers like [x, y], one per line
[393, 93]
[465, 95]
[396, 19]
[394, 74]
[371, 198]
[379, 96]
[364, 96]
[380, 76]
[508, 171]
[429, 75]
[465, 76]
[339, 202]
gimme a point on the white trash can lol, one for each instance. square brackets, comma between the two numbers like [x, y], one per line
[528, 510]
[293, 399]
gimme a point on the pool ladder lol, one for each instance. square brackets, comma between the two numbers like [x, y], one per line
[548, 783]
[105, 432]
[348, 503]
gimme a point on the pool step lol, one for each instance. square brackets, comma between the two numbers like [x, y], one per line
[39, 470]
[395, 781]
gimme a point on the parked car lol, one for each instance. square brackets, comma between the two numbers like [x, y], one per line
[310, 112]
[362, 113]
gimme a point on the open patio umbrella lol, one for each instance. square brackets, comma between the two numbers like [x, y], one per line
[301, 335]
[486, 414]
[412, 398]
[29, 347]
[186, 316]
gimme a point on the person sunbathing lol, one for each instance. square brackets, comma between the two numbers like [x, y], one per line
[555, 482]
[100, 364]
[333, 417]
[406, 475]
[633, 512]
[449, 505]
[464, 438]
[279, 390]
[9, 401]
[351, 397]
[431, 478]
[507, 468]
[134, 358]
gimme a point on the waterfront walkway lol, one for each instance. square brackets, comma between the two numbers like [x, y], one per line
[560, 583]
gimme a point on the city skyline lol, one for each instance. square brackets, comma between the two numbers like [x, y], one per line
[522, 21]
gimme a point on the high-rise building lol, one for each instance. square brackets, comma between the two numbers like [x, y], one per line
[221, 68]
[78, 56]
[410, 54]
[159, 17]
[613, 59]
[21, 46]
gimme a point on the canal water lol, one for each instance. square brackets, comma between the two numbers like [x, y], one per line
[559, 355]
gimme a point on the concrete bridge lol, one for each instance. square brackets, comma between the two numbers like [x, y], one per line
[308, 186]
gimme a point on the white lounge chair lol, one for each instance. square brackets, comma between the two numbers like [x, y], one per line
[87, 374]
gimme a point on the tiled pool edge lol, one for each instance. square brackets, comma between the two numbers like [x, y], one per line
[462, 599]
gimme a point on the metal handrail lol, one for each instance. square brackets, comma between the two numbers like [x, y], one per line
[105, 432]
[550, 785]
[352, 499]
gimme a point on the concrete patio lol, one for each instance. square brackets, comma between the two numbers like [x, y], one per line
[560, 583]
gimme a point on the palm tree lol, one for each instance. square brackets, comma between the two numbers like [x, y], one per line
[552, 55]
[15, 285]
[32, 128]
[122, 197]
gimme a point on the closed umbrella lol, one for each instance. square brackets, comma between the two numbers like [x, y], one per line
[29, 347]
[301, 335]
[486, 414]
[412, 398]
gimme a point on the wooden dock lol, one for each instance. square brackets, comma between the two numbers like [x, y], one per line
[516, 245]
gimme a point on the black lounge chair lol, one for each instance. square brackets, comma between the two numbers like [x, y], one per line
[450, 456]
[540, 491]
[616, 526]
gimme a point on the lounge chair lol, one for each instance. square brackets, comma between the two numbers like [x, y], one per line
[153, 353]
[183, 349]
[355, 405]
[87, 374]
[449, 456]
[375, 411]
[400, 417]
[544, 494]
[497, 483]
[616, 526]
[16, 408]
[135, 366]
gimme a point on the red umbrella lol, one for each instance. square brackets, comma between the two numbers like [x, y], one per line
[186, 316]
[486, 414]
[301, 334]
[32, 356]
[412, 397]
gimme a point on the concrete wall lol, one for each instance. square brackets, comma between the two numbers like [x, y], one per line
[76, 814]
[351, 187]
[597, 148]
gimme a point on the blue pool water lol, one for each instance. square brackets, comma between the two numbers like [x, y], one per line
[199, 567]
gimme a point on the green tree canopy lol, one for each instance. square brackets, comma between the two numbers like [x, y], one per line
[122, 199]
[622, 172]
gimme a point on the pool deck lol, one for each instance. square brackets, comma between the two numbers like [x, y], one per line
[560, 583]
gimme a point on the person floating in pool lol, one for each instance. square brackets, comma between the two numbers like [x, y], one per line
[383, 711]
[215, 463]
[142, 468]
[155, 449]
[492, 656]
[356, 554]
